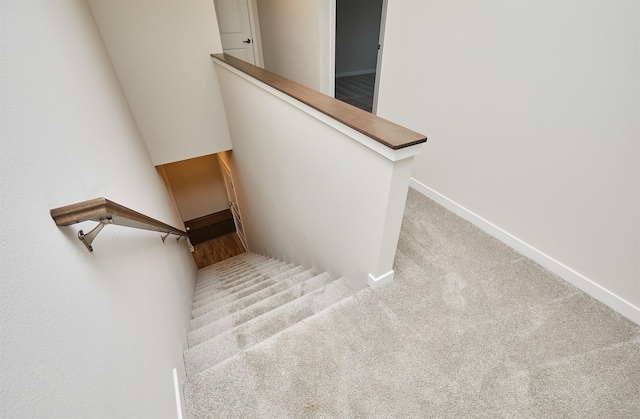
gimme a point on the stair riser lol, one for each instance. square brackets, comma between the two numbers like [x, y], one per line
[209, 331]
[214, 289]
[218, 276]
[289, 281]
[224, 279]
[275, 272]
[226, 282]
[232, 263]
[225, 293]
[199, 311]
[227, 344]
[233, 266]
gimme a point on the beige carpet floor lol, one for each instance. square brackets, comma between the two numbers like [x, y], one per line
[469, 328]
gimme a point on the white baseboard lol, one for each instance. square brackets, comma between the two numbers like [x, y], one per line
[377, 282]
[583, 283]
[177, 387]
[356, 73]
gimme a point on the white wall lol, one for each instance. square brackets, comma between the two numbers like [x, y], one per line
[83, 334]
[531, 109]
[357, 36]
[309, 192]
[197, 186]
[160, 50]
[297, 40]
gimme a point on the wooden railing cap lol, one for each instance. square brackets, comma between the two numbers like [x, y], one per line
[385, 132]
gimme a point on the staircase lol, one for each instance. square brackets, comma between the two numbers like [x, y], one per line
[246, 300]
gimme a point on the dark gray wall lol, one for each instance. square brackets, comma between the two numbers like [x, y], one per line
[357, 33]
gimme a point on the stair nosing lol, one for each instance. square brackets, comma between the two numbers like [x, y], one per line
[266, 341]
[235, 260]
[205, 278]
[276, 279]
[225, 276]
[254, 280]
[257, 319]
[205, 293]
[279, 281]
[220, 283]
[265, 301]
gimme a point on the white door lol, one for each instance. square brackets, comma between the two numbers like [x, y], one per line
[233, 202]
[235, 29]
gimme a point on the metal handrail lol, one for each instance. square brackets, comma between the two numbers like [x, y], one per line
[106, 212]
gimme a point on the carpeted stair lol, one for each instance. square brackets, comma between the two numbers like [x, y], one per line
[244, 301]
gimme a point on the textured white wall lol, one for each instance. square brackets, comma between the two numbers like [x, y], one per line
[532, 110]
[160, 50]
[308, 193]
[83, 335]
[197, 186]
[295, 40]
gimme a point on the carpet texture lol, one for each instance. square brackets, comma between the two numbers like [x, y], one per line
[469, 328]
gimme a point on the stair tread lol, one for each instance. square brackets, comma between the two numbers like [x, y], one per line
[233, 263]
[236, 280]
[253, 280]
[205, 279]
[234, 276]
[239, 259]
[223, 346]
[289, 279]
[204, 392]
[245, 292]
[262, 307]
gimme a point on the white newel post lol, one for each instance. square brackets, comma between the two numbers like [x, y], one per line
[383, 272]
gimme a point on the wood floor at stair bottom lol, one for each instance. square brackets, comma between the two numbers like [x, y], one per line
[217, 250]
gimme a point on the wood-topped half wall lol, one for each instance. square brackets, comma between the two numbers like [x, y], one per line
[385, 132]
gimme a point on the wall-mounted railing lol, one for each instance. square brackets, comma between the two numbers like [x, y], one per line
[106, 212]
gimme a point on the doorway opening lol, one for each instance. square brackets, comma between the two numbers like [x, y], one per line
[239, 28]
[198, 191]
[358, 26]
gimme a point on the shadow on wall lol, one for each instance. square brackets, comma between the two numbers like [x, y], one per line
[196, 186]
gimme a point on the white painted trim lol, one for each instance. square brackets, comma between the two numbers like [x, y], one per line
[377, 282]
[389, 153]
[355, 73]
[376, 87]
[327, 36]
[254, 20]
[242, 235]
[580, 281]
[176, 387]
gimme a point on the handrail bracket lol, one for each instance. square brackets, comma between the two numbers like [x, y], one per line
[105, 212]
[88, 238]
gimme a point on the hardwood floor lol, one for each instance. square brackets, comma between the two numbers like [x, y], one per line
[218, 249]
[210, 226]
